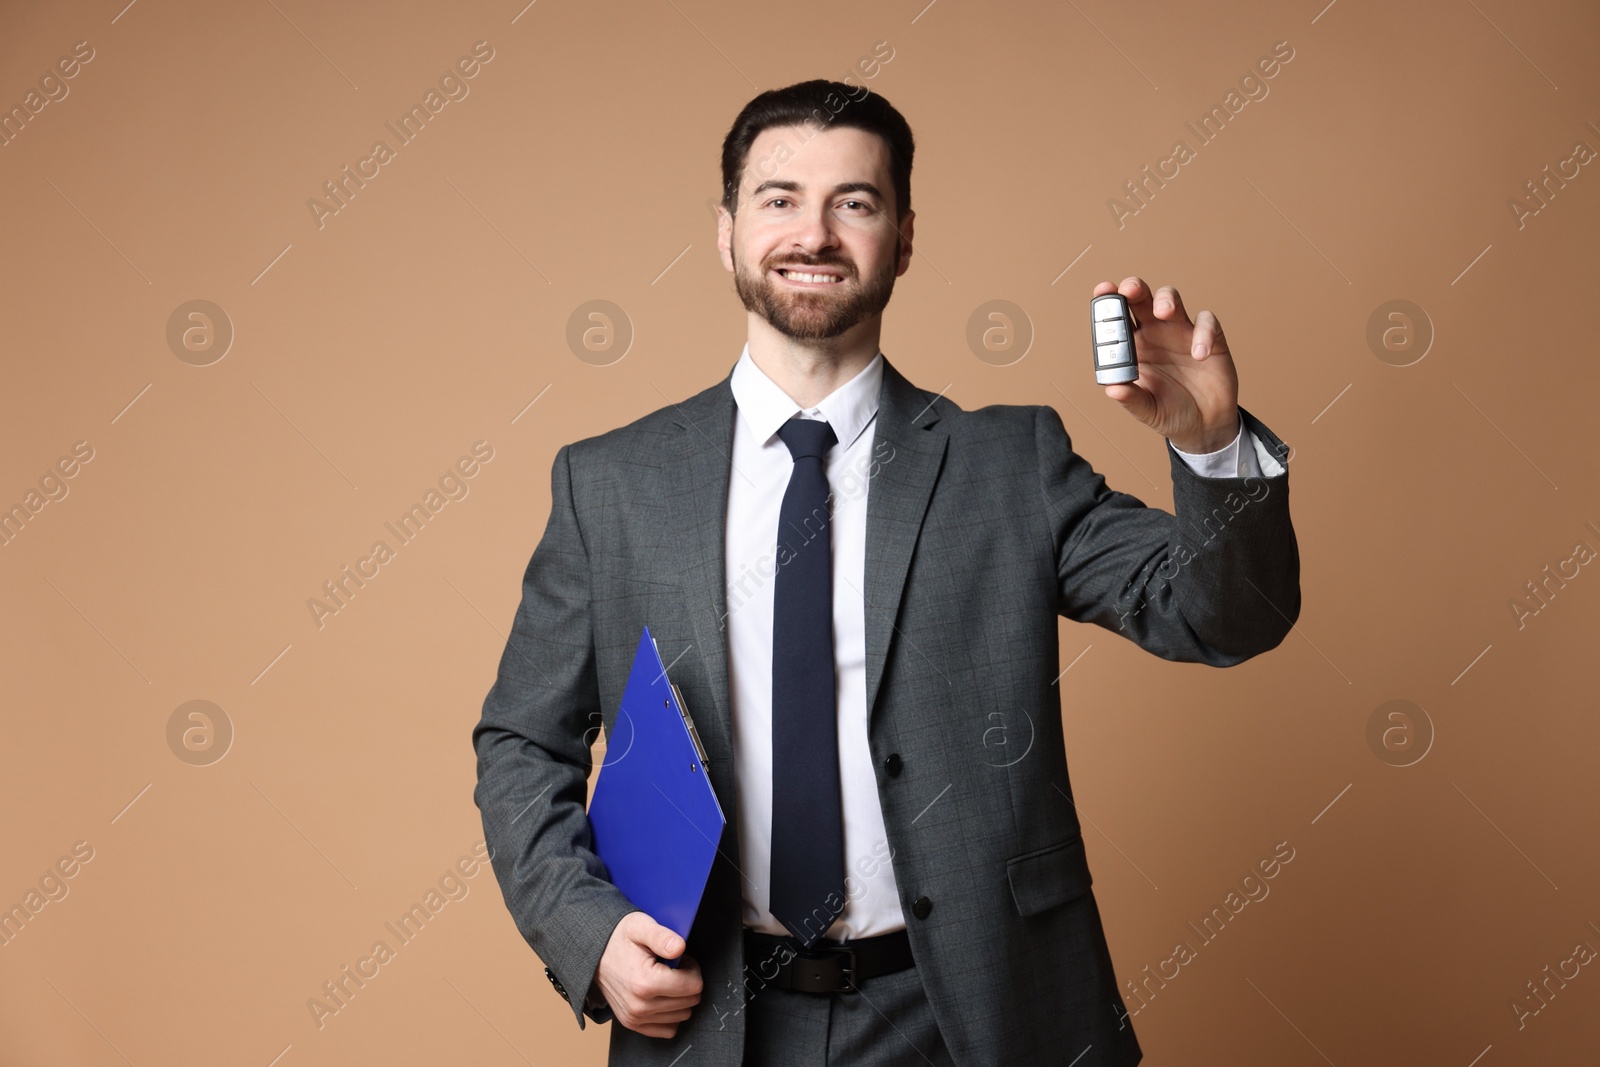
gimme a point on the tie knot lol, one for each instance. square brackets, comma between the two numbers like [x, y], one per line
[807, 437]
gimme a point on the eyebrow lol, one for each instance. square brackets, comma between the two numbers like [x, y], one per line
[794, 187]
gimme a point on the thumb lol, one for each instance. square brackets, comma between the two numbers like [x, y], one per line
[1135, 400]
[663, 942]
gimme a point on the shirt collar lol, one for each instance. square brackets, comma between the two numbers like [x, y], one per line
[764, 405]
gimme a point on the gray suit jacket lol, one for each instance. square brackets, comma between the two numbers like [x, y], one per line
[982, 527]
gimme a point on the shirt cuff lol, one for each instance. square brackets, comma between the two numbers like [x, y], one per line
[1223, 463]
[1233, 460]
[595, 1006]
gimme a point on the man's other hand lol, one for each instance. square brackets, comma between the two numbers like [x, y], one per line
[645, 994]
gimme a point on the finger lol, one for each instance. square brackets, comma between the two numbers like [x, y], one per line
[674, 987]
[1168, 306]
[647, 1018]
[1102, 288]
[1208, 336]
[1135, 400]
[1138, 294]
[651, 1000]
[641, 1006]
[659, 980]
[653, 1008]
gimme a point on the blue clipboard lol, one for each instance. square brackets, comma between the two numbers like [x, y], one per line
[654, 815]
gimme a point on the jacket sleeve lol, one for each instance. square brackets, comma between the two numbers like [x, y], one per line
[532, 746]
[1215, 583]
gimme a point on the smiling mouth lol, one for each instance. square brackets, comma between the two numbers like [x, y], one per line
[818, 277]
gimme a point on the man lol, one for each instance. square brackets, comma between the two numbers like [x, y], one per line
[854, 583]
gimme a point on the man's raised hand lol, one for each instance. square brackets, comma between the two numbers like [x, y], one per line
[1188, 390]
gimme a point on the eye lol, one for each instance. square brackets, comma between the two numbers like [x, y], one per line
[777, 200]
[859, 203]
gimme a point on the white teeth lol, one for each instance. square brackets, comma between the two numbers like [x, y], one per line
[795, 275]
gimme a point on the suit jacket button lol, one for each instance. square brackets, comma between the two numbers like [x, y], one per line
[548, 973]
[921, 906]
[893, 764]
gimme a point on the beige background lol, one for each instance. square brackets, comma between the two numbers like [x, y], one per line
[432, 310]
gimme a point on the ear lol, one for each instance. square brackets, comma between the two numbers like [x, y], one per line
[725, 238]
[905, 250]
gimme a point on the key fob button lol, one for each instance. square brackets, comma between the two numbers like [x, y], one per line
[1110, 355]
[1107, 307]
[1112, 330]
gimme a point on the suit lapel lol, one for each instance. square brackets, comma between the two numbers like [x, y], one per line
[698, 501]
[907, 453]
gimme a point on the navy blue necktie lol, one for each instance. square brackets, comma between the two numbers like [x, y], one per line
[807, 885]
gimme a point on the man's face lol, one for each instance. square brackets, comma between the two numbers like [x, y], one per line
[814, 248]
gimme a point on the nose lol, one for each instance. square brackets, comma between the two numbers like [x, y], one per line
[813, 233]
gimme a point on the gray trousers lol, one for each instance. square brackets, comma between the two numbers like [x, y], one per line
[887, 1023]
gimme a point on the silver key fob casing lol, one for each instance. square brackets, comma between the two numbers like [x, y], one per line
[1111, 331]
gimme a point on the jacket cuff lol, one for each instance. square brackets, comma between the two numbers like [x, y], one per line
[583, 965]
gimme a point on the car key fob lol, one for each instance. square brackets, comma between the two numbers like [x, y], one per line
[1111, 330]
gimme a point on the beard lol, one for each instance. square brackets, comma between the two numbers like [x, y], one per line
[812, 314]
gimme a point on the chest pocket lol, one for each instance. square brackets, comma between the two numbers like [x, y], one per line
[1048, 877]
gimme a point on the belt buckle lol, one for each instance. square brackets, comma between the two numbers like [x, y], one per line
[827, 970]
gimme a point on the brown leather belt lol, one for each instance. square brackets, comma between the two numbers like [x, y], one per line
[826, 967]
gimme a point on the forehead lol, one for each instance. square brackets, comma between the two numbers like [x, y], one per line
[816, 157]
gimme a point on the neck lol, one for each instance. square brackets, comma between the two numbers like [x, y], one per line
[808, 371]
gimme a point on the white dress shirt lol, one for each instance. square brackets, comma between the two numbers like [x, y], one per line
[761, 467]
